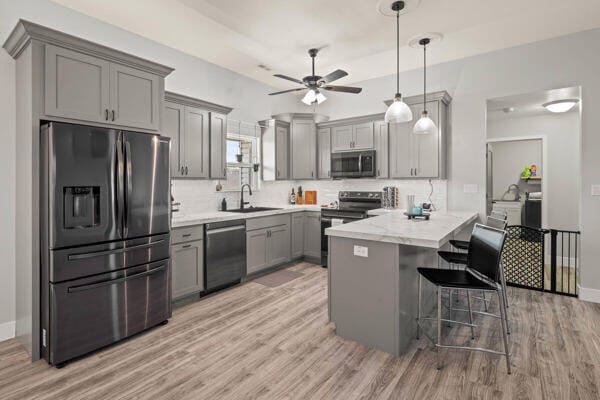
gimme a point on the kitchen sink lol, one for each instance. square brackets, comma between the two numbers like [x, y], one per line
[253, 209]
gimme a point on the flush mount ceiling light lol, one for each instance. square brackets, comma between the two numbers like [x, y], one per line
[560, 106]
[398, 111]
[424, 125]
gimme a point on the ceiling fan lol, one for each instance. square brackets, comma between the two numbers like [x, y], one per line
[315, 83]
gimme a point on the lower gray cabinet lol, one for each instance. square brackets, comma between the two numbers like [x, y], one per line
[298, 234]
[187, 266]
[312, 234]
[256, 251]
[267, 246]
[279, 244]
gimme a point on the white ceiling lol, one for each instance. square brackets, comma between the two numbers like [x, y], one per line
[530, 104]
[241, 34]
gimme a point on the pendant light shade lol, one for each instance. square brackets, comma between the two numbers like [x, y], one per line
[398, 111]
[424, 125]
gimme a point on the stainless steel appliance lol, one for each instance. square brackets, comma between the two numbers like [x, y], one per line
[353, 206]
[105, 211]
[225, 253]
[353, 164]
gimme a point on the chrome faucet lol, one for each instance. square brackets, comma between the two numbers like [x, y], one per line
[242, 202]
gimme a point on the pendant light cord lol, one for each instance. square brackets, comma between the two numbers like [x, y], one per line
[424, 77]
[398, 53]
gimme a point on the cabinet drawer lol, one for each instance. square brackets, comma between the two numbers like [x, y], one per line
[187, 234]
[267, 222]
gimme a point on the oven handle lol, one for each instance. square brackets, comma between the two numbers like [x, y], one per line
[74, 289]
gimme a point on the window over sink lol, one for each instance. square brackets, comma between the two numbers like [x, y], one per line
[242, 154]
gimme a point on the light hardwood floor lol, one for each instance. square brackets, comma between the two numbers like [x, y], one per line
[275, 343]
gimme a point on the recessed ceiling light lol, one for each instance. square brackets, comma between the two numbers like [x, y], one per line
[560, 106]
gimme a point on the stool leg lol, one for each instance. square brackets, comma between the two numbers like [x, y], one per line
[505, 297]
[504, 330]
[439, 327]
[449, 306]
[419, 309]
[485, 301]
[470, 315]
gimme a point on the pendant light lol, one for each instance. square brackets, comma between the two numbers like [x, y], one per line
[424, 125]
[398, 111]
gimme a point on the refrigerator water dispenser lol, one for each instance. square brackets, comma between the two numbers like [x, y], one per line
[81, 206]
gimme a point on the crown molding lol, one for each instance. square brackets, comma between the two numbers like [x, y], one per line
[193, 102]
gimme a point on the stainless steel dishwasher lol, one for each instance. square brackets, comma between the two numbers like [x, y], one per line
[225, 253]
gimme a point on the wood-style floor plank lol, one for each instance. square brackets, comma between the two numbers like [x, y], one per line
[257, 342]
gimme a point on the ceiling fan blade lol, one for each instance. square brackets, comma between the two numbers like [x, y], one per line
[345, 89]
[289, 78]
[333, 76]
[287, 91]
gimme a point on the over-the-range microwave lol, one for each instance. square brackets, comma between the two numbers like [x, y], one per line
[353, 164]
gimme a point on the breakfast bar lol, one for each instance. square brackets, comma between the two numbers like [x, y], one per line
[372, 275]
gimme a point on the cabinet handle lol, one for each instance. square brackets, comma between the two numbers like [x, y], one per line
[416, 172]
[113, 115]
[411, 172]
[186, 170]
[185, 246]
[186, 235]
[378, 173]
[224, 172]
[328, 174]
[277, 172]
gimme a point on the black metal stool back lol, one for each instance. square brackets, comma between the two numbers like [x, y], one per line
[485, 251]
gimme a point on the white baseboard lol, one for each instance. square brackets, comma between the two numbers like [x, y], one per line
[587, 294]
[7, 330]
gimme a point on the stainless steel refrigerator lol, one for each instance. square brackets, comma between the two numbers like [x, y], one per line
[105, 272]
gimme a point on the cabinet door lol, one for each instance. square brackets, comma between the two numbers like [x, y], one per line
[218, 146]
[279, 244]
[187, 262]
[362, 136]
[256, 251]
[312, 235]
[303, 149]
[401, 152]
[282, 134]
[173, 122]
[381, 149]
[195, 147]
[134, 97]
[426, 161]
[297, 234]
[324, 153]
[76, 85]
[342, 138]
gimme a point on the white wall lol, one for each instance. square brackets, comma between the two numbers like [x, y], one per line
[567, 61]
[562, 175]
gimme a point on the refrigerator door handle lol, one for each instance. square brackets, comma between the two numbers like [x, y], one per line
[119, 178]
[82, 256]
[74, 289]
[128, 187]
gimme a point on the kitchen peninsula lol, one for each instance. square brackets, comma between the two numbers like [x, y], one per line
[373, 279]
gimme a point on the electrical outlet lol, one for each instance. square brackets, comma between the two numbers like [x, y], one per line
[361, 251]
[595, 190]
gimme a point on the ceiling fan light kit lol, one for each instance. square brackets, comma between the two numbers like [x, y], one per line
[398, 111]
[424, 125]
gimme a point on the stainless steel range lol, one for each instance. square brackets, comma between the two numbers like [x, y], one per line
[353, 206]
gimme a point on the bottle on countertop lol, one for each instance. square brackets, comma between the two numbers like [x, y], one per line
[293, 197]
[299, 199]
[224, 204]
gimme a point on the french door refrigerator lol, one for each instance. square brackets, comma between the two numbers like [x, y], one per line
[104, 213]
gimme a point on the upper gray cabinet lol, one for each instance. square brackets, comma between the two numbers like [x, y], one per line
[324, 153]
[352, 137]
[420, 156]
[88, 88]
[303, 149]
[275, 141]
[198, 132]
[380, 143]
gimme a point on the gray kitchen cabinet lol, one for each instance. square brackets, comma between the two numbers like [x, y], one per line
[83, 87]
[298, 234]
[195, 143]
[218, 145]
[256, 251]
[303, 149]
[76, 85]
[312, 235]
[267, 245]
[380, 143]
[275, 143]
[324, 153]
[279, 244]
[187, 266]
[420, 156]
[352, 137]
[134, 97]
[173, 127]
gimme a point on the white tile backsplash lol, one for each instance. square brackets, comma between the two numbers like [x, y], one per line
[197, 196]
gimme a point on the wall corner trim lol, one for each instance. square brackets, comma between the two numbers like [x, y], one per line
[589, 294]
[7, 330]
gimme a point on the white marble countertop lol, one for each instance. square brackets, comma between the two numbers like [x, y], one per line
[181, 220]
[392, 226]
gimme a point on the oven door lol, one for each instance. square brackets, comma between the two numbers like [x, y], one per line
[353, 164]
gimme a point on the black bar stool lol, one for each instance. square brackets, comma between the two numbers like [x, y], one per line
[482, 273]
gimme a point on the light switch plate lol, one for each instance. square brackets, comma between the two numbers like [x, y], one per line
[470, 188]
[595, 190]
[361, 251]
